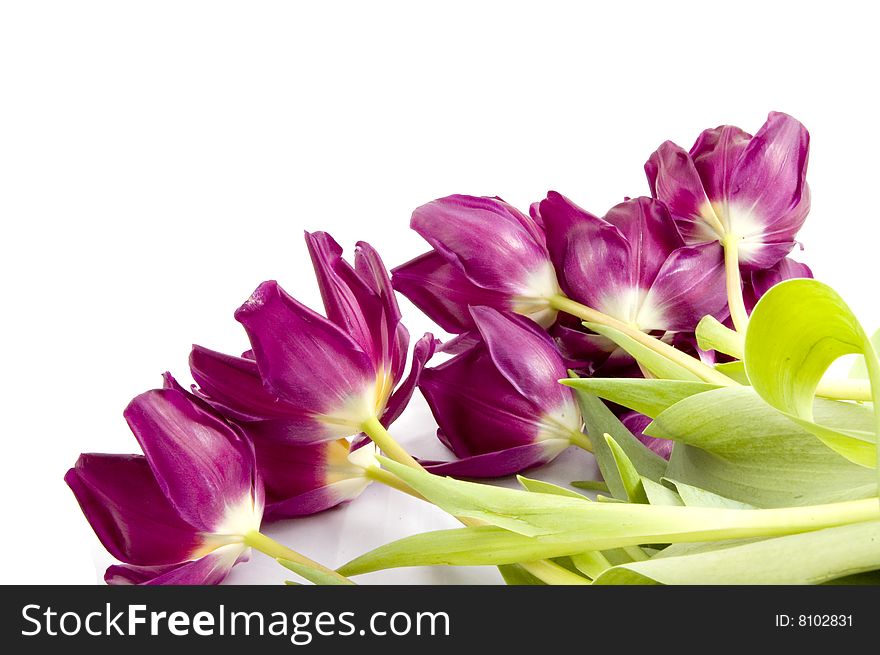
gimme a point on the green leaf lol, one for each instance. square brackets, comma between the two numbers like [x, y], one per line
[730, 442]
[659, 494]
[515, 575]
[591, 563]
[713, 335]
[796, 331]
[696, 497]
[590, 485]
[859, 369]
[470, 546]
[648, 397]
[734, 370]
[598, 419]
[629, 477]
[808, 558]
[312, 575]
[541, 487]
[657, 364]
[580, 525]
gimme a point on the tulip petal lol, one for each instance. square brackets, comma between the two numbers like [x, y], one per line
[652, 235]
[442, 292]
[636, 423]
[591, 256]
[317, 500]
[233, 384]
[211, 569]
[715, 155]
[202, 466]
[768, 199]
[491, 242]
[501, 463]
[349, 302]
[422, 352]
[371, 269]
[305, 359]
[690, 285]
[674, 180]
[785, 269]
[524, 354]
[128, 510]
[477, 409]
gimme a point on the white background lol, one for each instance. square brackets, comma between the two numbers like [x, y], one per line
[159, 159]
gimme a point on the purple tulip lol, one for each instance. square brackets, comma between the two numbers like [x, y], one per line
[485, 253]
[636, 423]
[498, 405]
[307, 479]
[632, 264]
[759, 282]
[178, 514]
[310, 378]
[732, 185]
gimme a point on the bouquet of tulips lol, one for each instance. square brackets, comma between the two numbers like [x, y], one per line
[673, 338]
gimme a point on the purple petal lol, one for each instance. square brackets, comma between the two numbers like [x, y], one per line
[460, 343]
[690, 285]
[422, 352]
[211, 569]
[768, 199]
[762, 281]
[501, 463]
[349, 302]
[477, 409]
[495, 245]
[591, 256]
[715, 155]
[525, 355]
[233, 385]
[302, 357]
[651, 232]
[317, 500]
[674, 180]
[442, 292]
[636, 423]
[202, 466]
[372, 270]
[129, 512]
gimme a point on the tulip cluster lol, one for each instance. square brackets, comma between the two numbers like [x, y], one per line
[529, 298]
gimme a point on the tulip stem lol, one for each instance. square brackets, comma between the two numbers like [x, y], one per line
[580, 440]
[735, 301]
[691, 364]
[387, 478]
[386, 443]
[273, 549]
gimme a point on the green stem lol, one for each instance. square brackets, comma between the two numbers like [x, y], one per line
[381, 437]
[702, 371]
[273, 549]
[735, 301]
[581, 440]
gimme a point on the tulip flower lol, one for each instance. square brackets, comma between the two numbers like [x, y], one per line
[632, 264]
[485, 253]
[498, 405]
[311, 379]
[188, 509]
[746, 193]
[178, 514]
[636, 423]
[759, 282]
[309, 478]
